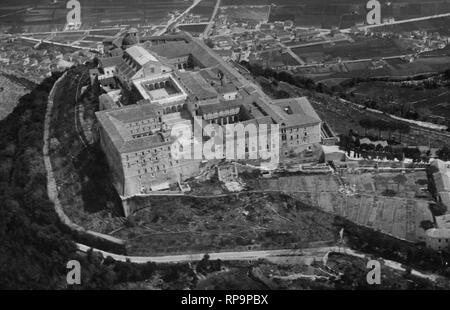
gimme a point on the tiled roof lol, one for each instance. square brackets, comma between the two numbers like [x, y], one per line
[221, 106]
[140, 55]
[115, 124]
[110, 61]
[300, 112]
[442, 180]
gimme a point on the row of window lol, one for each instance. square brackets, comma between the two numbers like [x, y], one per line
[143, 129]
[284, 137]
[293, 130]
[143, 122]
[158, 169]
[154, 151]
[149, 159]
[157, 166]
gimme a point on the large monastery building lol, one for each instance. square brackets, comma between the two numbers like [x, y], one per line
[154, 85]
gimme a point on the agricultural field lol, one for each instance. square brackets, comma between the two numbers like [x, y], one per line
[401, 215]
[94, 39]
[94, 14]
[110, 33]
[341, 13]
[275, 59]
[301, 183]
[362, 48]
[67, 37]
[387, 202]
[343, 116]
[426, 101]
[195, 30]
[408, 185]
[204, 9]
[421, 65]
[440, 25]
[257, 13]
[363, 69]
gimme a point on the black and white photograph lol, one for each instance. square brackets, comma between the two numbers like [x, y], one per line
[240, 147]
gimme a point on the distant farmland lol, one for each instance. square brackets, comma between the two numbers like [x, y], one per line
[204, 8]
[340, 13]
[260, 13]
[94, 14]
[441, 25]
[426, 101]
[194, 29]
[367, 48]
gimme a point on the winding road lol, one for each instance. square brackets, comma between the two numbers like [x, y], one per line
[317, 254]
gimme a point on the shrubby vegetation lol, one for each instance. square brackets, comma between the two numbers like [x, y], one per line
[444, 153]
[34, 245]
[382, 103]
[382, 125]
[34, 250]
[283, 76]
[392, 151]
[381, 245]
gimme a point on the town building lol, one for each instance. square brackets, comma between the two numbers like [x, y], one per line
[438, 238]
[441, 178]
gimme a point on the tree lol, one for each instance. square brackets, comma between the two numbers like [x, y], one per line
[444, 153]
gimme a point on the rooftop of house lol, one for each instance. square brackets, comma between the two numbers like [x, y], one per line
[440, 233]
